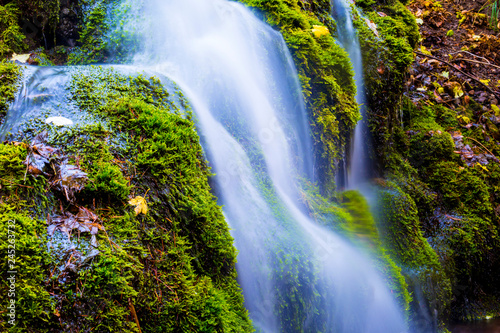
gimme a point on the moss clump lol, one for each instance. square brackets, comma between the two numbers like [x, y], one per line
[362, 224]
[11, 37]
[9, 79]
[21, 201]
[400, 230]
[27, 255]
[326, 75]
[462, 189]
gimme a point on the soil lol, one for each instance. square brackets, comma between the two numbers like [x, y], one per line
[460, 52]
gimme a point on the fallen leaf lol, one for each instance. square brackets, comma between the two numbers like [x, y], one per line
[482, 167]
[495, 109]
[140, 204]
[320, 30]
[424, 50]
[420, 21]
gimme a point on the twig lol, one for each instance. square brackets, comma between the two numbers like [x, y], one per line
[472, 54]
[466, 137]
[477, 62]
[134, 314]
[460, 71]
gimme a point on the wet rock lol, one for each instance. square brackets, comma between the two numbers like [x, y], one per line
[59, 121]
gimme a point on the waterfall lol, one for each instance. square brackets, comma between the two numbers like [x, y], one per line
[242, 84]
[243, 87]
[359, 172]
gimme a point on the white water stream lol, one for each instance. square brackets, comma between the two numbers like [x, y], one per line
[242, 84]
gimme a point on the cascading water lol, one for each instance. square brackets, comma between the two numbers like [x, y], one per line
[240, 79]
[241, 82]
[358, 173]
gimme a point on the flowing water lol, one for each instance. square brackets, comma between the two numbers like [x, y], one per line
[359, 167]
[241, 82]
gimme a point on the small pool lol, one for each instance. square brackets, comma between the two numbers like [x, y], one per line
[483, 326]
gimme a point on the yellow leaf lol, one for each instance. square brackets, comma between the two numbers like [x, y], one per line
[482, 166]
[495, 109]
[486, 82]
[424, 50]
[458, 91]
[320, 30]
[464, 119]
[140, 204]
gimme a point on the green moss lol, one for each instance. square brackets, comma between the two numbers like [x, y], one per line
[23, 246]
[400, 230]
[9, 79]
[362, 225]
[11, 37]
[462, 189]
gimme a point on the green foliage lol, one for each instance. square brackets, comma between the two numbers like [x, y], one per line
[11, 37]
[326, 75]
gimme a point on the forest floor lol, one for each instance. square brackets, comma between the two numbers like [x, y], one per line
[459, 55]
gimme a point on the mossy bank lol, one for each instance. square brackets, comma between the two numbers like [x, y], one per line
[163, 262]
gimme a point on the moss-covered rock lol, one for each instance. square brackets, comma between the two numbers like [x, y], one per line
[170, 268]
[400, 230]
[10, 75]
